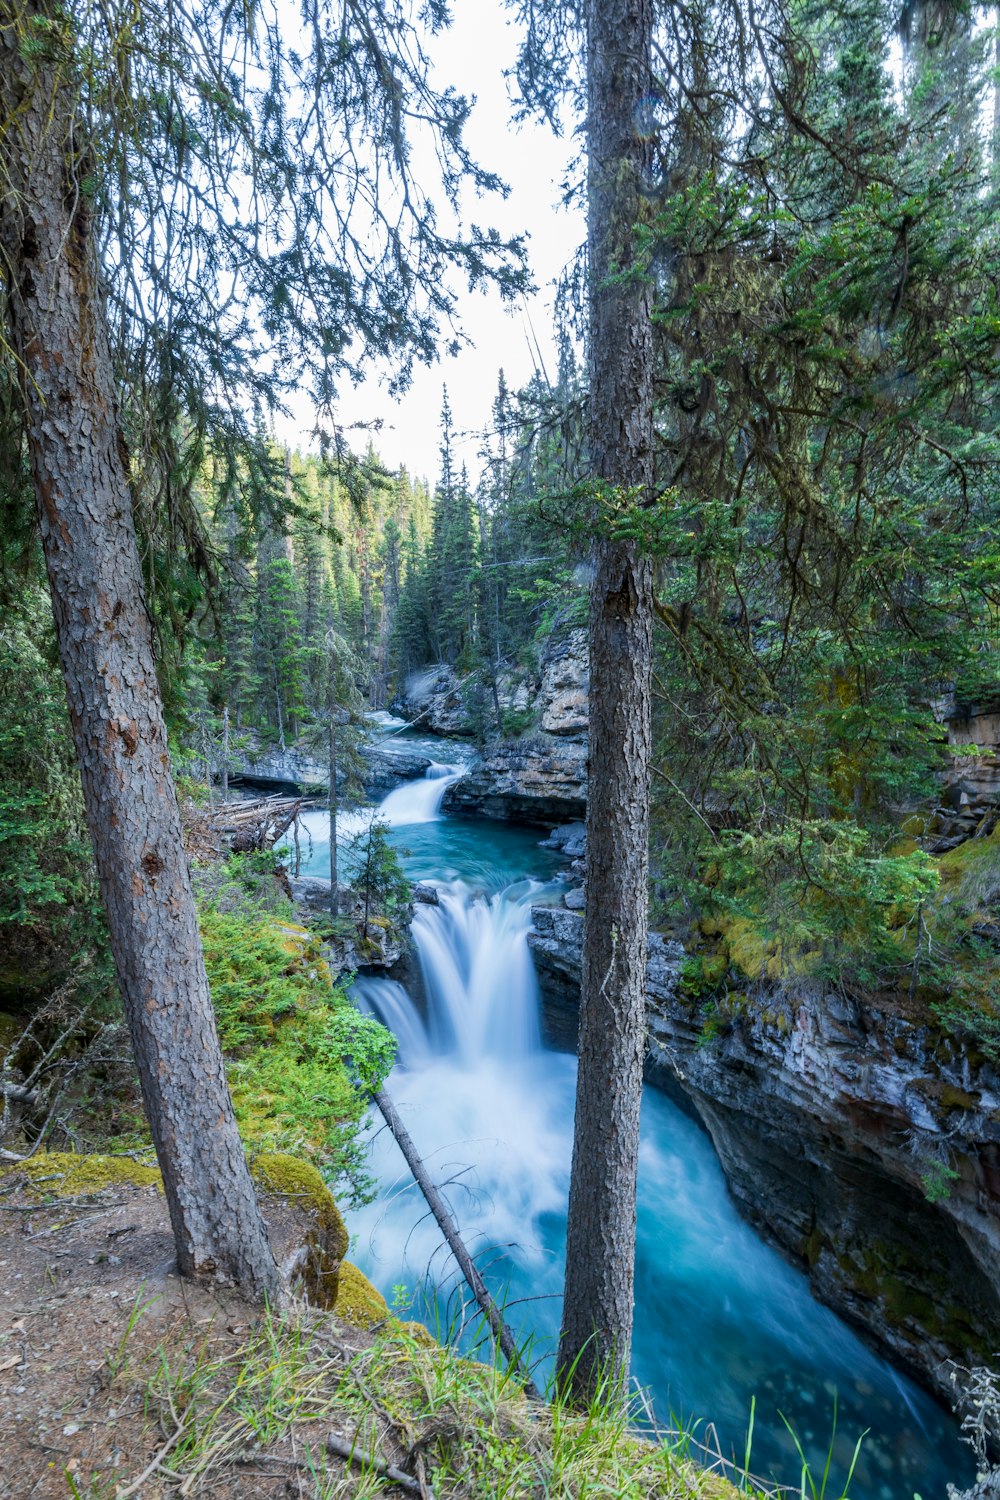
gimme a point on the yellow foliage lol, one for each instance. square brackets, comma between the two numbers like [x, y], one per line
[277, 1172]
[67, 1173]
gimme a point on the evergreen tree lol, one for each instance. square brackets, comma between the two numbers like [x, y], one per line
[120, 134]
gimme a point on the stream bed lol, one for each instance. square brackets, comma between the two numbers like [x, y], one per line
[721, 1319]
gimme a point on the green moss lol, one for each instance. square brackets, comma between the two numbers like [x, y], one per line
[62, 1174]
[702, 974]
[277, 1172]
[953, 1098]
[889, 1276]
[318, 1270]
[812, 1247]
[285, 1029]
[358, 1302]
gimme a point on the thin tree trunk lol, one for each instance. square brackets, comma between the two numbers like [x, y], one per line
[595, 1341]
[456, 1244]
[225, 753]
[85, 515]
[334, 887]
[995, 143]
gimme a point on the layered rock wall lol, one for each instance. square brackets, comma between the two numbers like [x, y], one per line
[864, 1145]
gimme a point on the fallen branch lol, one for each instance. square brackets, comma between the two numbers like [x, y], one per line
[355, 1455]
[449, 1229]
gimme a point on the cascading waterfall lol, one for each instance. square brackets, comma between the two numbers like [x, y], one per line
[419, 801]
[720, 1318]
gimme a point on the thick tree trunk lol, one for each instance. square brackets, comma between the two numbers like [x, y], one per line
[59, 334]
[595, 1343]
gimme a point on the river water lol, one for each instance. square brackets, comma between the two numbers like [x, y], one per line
[721, 1319]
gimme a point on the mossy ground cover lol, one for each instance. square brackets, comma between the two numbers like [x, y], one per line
[929, 947]
[296, 1049]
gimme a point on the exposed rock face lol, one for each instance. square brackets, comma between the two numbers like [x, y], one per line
[556, 942]
[537, 780]
[434, 696]
[386, 946]
[284, 770]
[835, 1122]
[563, 697]
[386, 769]
[298, 771]
[970, 801]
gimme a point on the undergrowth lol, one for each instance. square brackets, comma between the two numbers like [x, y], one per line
[299, 1057]
[462, 1427]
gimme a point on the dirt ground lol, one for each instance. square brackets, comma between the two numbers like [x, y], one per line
[98, 1337]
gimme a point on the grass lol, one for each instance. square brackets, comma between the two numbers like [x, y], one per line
[270, 1403]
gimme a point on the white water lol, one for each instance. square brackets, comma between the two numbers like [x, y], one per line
[419, 801]
[414, 802]
[720, 1318]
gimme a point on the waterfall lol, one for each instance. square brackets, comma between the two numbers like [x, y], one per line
[719, 1316]
[479, 980]
[419, 801]
[482, 1098]
[413, 802]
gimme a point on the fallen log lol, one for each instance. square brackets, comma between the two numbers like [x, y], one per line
[448, 1227]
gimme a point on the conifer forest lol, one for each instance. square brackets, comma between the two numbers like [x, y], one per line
[499, 734]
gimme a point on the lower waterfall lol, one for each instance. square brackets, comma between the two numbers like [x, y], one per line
[720, 1318]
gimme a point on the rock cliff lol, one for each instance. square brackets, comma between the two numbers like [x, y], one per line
[540, 779]
[863, 1143]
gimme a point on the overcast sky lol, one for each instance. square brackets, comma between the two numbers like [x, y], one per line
[472, 55]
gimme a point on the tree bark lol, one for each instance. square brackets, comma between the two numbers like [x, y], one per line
[595, 1342]
[59, 334]
[334, 886]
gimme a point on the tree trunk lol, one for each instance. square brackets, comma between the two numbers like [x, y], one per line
[59, 334]
[334, 887]
[595, 1342]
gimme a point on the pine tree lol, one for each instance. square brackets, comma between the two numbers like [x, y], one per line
[146, 326]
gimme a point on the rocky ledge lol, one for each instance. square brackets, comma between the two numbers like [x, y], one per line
[539, 779]
[861, 1142]
[296, 770]
[385, 947]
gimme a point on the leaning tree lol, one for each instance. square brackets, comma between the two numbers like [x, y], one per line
[202, 206]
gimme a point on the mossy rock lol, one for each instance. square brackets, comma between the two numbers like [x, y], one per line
[358, 1302]
[63, 1174]
[317, 1269]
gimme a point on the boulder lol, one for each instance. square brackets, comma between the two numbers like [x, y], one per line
[388, 764]
[570, 839]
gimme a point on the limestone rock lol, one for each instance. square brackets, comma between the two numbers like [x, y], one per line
[536, 780]
[862, 1142]
[434, 697]
[387, 764]
[570, 839]
[563, 698]
[272, 769]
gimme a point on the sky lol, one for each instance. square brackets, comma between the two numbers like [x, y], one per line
[472, 55]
